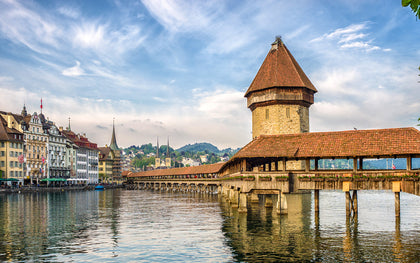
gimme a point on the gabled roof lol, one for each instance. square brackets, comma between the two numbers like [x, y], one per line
[354, 143]
[8, 134]
[202, 169]
[279, 69]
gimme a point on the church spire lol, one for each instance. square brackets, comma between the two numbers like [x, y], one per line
[24, 112]
[113, 144]
[167, 149]
[157, 147]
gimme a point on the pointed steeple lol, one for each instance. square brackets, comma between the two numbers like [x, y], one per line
[167, 149]
[113, 144]
[157, 147]
[24, 112]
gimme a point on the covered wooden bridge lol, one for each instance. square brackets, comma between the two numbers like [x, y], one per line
[278, 164]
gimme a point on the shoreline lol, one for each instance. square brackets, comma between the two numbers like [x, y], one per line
[35, 189]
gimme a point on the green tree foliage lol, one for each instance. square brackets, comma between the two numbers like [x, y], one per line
[414, 5]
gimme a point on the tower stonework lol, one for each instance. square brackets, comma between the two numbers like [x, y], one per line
[280, 95]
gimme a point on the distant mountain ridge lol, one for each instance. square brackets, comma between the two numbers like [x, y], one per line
[204, 146]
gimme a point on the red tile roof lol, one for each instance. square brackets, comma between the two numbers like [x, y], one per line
[202, 169]
[279, 69]
[79, 140]
[354, 143]
[9, 134]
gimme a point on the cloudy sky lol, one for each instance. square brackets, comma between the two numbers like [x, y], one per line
[180, 68]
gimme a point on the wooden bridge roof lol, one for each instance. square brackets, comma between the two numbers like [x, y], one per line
[341, 144]
[202, 169]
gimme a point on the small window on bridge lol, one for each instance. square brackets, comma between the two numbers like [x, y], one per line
[385, 164]
[330, 164]
[415, 163]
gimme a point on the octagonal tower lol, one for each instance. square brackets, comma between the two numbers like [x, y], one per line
[280, 94]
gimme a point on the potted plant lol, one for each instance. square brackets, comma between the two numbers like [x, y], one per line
[282, 178]
[264, 178]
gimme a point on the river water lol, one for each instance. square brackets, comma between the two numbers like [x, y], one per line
[150, 226]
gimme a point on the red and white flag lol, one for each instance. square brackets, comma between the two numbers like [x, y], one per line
[43, 159]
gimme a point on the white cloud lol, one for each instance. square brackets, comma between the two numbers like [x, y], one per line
[69, 12]
[25, 26]
[221, 103]
[178, 16]
[351, 37]
[73, 71]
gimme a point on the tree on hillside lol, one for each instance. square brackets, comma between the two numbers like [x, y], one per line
[414, 5]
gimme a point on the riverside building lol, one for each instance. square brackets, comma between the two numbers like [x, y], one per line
[11, 152]
[87, 158]
[57, 151]
[110, 161]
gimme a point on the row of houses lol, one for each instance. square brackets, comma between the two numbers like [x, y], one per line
[34, 151]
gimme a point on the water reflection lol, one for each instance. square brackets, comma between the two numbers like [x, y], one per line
[303, 235]
[160, 226]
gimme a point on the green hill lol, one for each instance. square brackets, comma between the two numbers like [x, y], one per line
[199, 147]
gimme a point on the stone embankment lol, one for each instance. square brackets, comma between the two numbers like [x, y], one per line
[35, 189]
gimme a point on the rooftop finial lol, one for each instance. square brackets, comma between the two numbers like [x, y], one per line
[278, 42]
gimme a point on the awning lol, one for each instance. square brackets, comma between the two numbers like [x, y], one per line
[53, 180]
[9, 179]
[77, 179]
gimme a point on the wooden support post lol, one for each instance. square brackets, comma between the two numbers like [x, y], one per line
[361, 164]
[397, 204]
[354, 164]
[234, 198]
[316, 164]
[409, 163]
[396, 188]
[307, 165]
[348, 211]
[243, 167]
[316, 196]
[243, 202]
[283, 203]
[284, 164]
[354, 202]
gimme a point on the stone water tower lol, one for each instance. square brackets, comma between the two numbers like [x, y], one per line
[280, 95]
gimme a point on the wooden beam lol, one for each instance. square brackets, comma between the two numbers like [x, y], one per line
[307, 165]
[354, 164]
[409, 163]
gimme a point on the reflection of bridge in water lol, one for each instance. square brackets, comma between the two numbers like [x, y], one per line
[270, 167]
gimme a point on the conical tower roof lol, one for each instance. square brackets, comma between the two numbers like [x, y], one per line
[113, 144]
[279, 69]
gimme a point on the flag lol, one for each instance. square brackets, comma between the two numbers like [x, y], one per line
[41, 103]
[393, 166]
[21, 159]
[43, 159]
